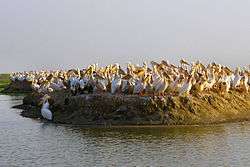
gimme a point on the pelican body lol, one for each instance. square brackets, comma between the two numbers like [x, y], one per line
[45, 111]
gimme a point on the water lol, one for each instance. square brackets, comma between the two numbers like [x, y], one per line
[28, 142]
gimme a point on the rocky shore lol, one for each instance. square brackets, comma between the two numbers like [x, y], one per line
[107, 109]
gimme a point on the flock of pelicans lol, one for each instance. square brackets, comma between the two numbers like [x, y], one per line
[161, 79]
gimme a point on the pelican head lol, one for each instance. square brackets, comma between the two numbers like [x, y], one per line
[44, 99]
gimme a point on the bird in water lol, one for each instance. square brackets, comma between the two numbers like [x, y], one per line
[45, 111]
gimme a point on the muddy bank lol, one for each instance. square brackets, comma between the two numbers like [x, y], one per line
[31, 105]
[18, 87]
[107, 109]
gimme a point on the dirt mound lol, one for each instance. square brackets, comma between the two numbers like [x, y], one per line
[107, 109]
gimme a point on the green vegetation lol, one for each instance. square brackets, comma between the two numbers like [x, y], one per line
[4, 81]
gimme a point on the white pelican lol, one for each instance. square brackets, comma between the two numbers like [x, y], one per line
[45, 111]
[185, 89]
[116, 84]
[211, 81]
[160, 77]
[161, 86]
[74, 82]
[178, 83]
[139, 87]
[237, 78]
[83, 83]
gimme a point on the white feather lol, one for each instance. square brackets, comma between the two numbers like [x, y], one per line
[45, 111]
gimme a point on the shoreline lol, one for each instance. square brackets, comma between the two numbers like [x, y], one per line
[184, 111]
[28, 114]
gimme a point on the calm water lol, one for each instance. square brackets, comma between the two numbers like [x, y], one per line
[27, 142]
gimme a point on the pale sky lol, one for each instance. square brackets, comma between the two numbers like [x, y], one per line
[51, 34]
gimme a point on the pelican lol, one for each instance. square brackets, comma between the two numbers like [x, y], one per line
[244, 83]
[83, 83]
[237, 78]
[45, 111]
[161, 86]
[183, 62]
[138, 79]
[185, 89]
[165, 63]
[178, 83]
[211, 81]
[116, 84]
[139, 87]
[74, 83]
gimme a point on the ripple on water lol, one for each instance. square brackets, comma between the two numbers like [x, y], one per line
[27, 142]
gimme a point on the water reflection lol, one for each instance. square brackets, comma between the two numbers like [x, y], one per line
[27, 142]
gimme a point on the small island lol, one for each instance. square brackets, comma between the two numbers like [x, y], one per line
[163, 94]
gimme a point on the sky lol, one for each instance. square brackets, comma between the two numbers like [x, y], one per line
[63, 34]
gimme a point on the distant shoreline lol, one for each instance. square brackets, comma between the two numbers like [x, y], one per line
[4, 81]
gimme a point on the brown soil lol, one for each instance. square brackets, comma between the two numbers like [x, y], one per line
[107, 109]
